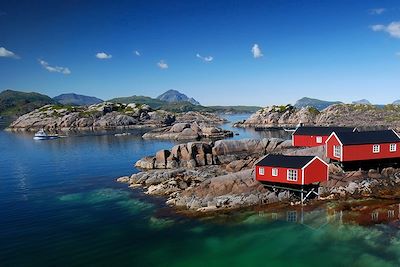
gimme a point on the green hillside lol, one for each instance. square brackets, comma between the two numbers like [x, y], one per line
[15, 103]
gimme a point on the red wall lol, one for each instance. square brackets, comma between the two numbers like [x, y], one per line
[364, 152]
[329, 148]
[308, 140]
[281, 178]
[317, 171]
[361, 152]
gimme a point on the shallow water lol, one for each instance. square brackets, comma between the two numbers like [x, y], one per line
[60, 206]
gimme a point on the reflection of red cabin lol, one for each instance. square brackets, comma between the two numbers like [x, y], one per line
[363, 146]
[297, 170]
[315, 136]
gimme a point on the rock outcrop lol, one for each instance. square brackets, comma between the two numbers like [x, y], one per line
[188, 131]
[196, 154]
[206, 176]
[200, 117]
[108, 115]
[104, 115]
[351, 115]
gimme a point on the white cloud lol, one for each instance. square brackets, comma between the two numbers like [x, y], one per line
[256, 50]
[7, 53]
[205, 59]
[102, 55]
[393, 28]
[58, 69]
[137, 53]
[376, 11]
[162, 64]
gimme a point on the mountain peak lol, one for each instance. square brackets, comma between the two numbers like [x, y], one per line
[176, 96]
[316, 103]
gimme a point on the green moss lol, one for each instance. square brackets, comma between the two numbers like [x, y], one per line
[313, 110]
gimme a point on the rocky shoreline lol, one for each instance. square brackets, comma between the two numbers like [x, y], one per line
[105, 115]
[216, 176]
[188, 131]
[350, 115]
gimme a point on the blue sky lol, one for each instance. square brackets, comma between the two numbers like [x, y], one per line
[333, 50]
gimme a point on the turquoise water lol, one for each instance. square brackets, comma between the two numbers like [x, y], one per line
[60, 206]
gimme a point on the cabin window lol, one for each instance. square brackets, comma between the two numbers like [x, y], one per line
[376, 148]
[337, 151]
[291, 216]
[261, 171]
[393, 147]
[390, 214]
[319, 139]
[375, 215]
[292, 175]
[274, 172]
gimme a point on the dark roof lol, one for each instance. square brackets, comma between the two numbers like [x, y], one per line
[296, 162]
[323, 131]
[369, 137]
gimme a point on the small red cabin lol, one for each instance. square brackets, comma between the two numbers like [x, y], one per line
[363, 146]
[315, 136]
[296, 170]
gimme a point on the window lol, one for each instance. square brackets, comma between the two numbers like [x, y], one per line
[375, 215]
[376, 148]
[337, 151]
[261, 171]
[393, 147]
[274, 172]
[390, 214]
[292, 175]
[291, 216]
[319, 139]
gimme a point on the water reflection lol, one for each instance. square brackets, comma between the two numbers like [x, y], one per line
[363, 213]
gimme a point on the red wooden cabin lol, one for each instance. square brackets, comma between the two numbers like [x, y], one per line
[315, 136]
[294, 170]
[352, 147]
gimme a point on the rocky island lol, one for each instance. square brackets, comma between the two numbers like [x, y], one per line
[107, 115]
[360, 115]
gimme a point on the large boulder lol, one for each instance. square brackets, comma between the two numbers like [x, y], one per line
[224, 147]
[179, 127]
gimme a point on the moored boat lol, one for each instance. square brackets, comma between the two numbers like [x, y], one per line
[42, 135]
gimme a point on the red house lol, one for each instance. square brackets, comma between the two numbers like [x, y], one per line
[353, 147]
[294, 170]
[315, 136]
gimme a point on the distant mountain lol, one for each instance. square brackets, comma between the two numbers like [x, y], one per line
[15, 103]
[362, 101]
[397, 102]
[316, 103]
[176, 96]
[78, 100]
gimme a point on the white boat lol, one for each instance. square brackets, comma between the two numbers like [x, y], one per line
[42, 135]
[292, 130]
[122, 134]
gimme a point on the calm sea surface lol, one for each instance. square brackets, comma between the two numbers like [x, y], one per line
[60, 206]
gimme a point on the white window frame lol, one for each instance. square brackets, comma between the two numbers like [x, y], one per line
[337, 151]
[393, 147]
[274, 172]
[292, 175]
[376, 149]
[318, 139]
[261, 171]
